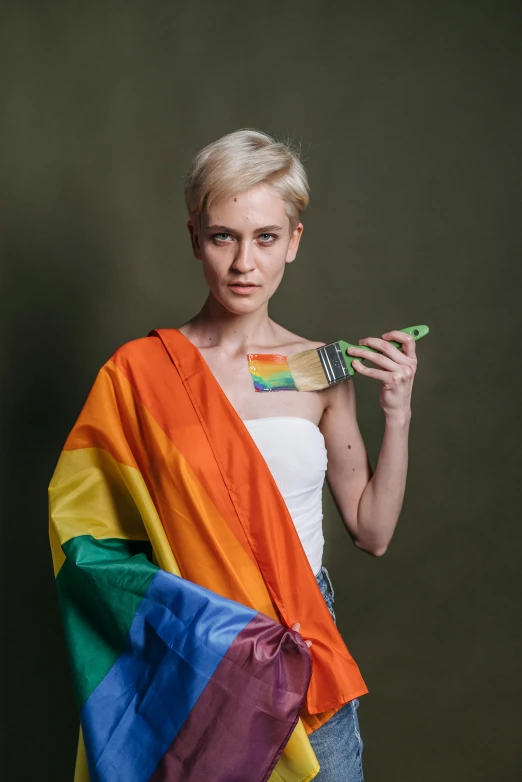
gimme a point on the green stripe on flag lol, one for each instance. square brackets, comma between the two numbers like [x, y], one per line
[100, 587]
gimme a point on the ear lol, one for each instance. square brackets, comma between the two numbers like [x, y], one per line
[294, 243]
[194, 238]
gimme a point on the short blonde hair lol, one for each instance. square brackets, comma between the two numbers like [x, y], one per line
[241, 160]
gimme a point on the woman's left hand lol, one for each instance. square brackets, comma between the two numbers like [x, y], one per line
[396, 369]
[297, 627]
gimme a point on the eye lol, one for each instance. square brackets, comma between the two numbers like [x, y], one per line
[266, 238]
[221, 237]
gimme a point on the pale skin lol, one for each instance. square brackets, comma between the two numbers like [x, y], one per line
[248, 238]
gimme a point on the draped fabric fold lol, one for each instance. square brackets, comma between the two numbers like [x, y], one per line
[179, 573]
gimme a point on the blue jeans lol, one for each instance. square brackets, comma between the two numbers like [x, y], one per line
[337, 743]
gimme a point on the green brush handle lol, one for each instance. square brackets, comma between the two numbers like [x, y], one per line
[417, 332]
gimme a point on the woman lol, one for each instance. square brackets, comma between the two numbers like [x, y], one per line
[244, 195]
[269, 451]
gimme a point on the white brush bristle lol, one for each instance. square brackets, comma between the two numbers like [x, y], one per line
[307, 371]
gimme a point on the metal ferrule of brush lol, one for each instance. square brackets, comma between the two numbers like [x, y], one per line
[333, 363]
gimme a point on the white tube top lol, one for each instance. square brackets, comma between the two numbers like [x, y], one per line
[294, 450]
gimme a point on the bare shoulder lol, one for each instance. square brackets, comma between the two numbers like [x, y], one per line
[294, 343]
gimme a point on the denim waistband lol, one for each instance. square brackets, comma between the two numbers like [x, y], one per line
[325, 585]
[323, 572]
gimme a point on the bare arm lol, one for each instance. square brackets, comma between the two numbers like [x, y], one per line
[370, 504]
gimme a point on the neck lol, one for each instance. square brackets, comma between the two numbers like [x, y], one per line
[215, 326]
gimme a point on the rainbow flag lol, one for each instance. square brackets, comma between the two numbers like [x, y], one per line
[176, 560]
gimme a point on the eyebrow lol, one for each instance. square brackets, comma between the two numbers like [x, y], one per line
[264, 229]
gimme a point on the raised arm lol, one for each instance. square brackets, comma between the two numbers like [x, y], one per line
[370, 503]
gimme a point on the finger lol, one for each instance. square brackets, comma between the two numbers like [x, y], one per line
[406, 340]
[296, 626]
[386, 348]
[377, 358]
[308, 643]
[379, 374]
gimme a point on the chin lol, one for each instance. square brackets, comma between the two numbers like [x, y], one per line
[241, 305]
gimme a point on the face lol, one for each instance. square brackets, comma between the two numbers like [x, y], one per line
[244, 243]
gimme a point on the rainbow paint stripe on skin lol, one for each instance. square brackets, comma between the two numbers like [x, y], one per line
[270, 372]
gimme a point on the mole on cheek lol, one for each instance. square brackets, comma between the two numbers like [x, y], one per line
[349, 446]
[235, 199]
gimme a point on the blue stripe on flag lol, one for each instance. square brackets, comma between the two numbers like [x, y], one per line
[178, 637]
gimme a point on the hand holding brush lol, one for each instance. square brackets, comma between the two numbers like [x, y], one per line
[396, 364]
[319, 368]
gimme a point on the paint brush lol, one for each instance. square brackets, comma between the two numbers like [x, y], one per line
[319, 368]
[311, 370]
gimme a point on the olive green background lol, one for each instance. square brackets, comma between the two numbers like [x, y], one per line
[408, 116]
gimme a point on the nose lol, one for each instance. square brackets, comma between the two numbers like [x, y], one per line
[244, 260]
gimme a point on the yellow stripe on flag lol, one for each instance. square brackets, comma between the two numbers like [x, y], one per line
[93, 494]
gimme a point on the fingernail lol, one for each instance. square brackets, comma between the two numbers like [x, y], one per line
[308, 643]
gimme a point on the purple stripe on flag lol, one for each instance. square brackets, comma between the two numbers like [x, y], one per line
[241, 722]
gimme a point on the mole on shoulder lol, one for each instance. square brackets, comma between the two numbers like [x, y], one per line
[349, 446]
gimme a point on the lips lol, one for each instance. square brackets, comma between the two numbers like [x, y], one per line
[243, 287]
